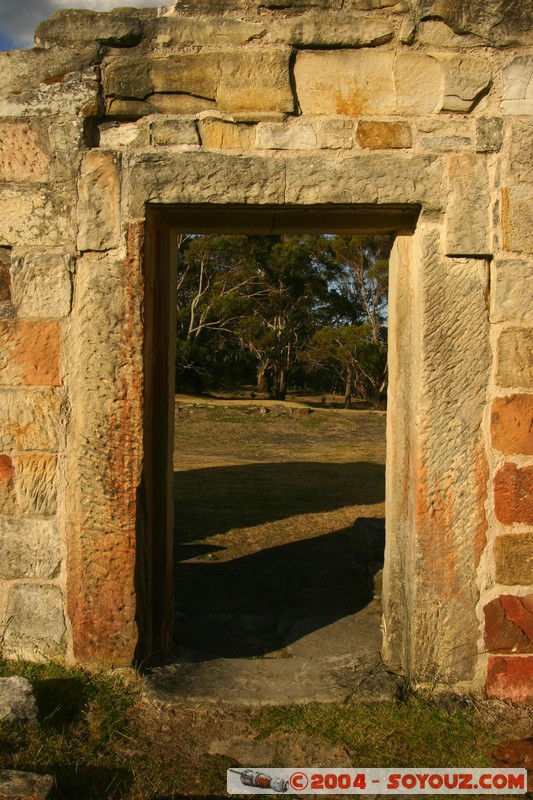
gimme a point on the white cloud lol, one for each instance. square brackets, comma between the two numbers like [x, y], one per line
[19, 18]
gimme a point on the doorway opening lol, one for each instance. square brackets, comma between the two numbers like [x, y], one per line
[278, 528]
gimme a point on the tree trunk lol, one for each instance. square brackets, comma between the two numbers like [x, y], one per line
[348, 388]
[282, 385]
[262, 379]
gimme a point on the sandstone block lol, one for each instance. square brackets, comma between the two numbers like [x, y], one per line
[349, 82]
[74, 27]
[173, 32]
[446, 144]
[331, 30]
[285, 137]
[15, 785]
[8, 498]
[518, 86]
[36, 484]
[17, 701]
[467, 218]
[512, 424]
[5, 275]
[517, 218]
[437, 34]
[213, 5]
[129, 77]
[29, 549]
[99, 202]
[520, 162]
[35, 216]
[23, 153]
[178, 104]
[510, 678]
[384, 135]
[29, 420]
[466, 78]
[408, 31]
[66, 141]
[22, 71]
[513, 502]
[29, 354]
[326, 4]
[174, 131]
[515, 358]
[494, 20]
[42, 286]
[218, 134]
[335, 134]
[489, 134]
[511, 295]
[208, 178]
[418, 84]
[509, 624]
[37, 624]
[255, 82]
[113, 135]
[383, 178]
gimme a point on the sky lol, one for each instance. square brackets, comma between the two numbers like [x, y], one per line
[19, 18]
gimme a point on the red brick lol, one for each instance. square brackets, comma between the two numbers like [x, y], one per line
[512, 424]
[517, 754]
[509, 624]
[513, 494]
[510, 678]
[29, 354]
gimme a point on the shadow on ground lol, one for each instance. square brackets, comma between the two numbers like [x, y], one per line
[217, 499]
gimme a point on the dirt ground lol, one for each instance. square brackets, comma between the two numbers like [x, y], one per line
[266, 495]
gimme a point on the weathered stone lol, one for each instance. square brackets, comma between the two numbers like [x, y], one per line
[29, 354]
[113, 135]
[326, 4]
[23, 153]
[42, 286]
[382, 178]
[517, 218]
[335, 134]
[446, 144]
[216, 133]
[437, 34]
[40, 216]
[29, 549]
[499, 21]
[489, 134]
[345, 82]
[196, 32]
[15, 785]
[211, 5]
[174, 131]
[208, 178]
[36, 629]
[283, 137]
[98, 202]
[467, 218]
[520, 161]
[24, 70]
[417, 83]
[66, 140]
[17, 701]
[74, 27]
[331, 30]
[518, 86]
[513, 502]
[105, 451]
[512, 424]
[515, 358]
[5, 275]
[510, 678]
[384, 135]
[8, 499]
[36, 484]
[466, 78]
[255, 81]
[511, 295]
[29, 420]
[129, 77]
[408, 31]
[178, 104]
[509, 624]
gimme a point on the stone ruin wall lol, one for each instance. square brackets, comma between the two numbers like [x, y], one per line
[288, 103]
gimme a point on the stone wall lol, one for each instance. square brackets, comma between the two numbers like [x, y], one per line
[376, 108]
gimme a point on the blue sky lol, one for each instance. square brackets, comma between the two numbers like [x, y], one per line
[19, 18]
